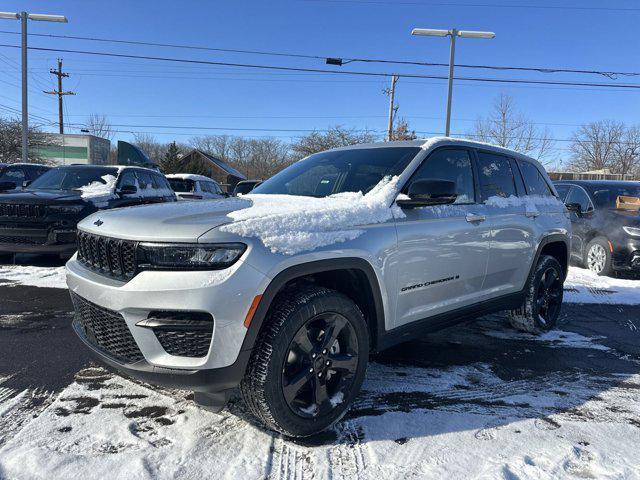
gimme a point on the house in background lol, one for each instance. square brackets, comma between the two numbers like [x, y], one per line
[201, 163]
[71, 148]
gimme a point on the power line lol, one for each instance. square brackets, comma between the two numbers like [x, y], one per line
[608, 74]
[333, 72]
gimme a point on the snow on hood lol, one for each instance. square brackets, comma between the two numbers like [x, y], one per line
[292, 224]
[99, 193]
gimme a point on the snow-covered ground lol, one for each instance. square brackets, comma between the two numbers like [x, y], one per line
[49, 277]
[459, 422]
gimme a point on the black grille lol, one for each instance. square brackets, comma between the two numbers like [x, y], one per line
[16, 240]
[106, 330]
[109, 256]
[184, 343]
[19, 210]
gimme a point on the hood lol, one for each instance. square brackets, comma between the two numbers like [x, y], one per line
[39, 196]
[163, 222]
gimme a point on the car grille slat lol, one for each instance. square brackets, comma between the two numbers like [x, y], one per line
[21, 210]
[106, 330]
[108, 256]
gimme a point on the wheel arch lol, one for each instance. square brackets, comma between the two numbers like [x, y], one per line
[352, 276]
[557, 246]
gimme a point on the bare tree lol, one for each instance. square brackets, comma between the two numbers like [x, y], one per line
[218, 145]
[402, 131]
[99, 125]
[337, 136]
[149, 145]
[628, 153]
[508, 128]
[11, 142]
[597, 146]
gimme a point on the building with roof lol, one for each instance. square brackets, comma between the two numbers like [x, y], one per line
[202, 163]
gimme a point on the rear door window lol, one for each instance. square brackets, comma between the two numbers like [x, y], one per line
[562, 191]
[495, 176]
[534, 182]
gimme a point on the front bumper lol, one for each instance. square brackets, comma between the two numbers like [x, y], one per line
[626, 255]
[225, 294]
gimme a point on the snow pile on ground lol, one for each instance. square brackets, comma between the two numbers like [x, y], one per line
[293, 224]
[100, 192]
[48, 277]
[584, 286]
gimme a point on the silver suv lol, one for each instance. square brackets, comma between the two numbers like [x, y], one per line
[285, 292]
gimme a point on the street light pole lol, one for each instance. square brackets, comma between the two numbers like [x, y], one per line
[23, 17]
[453, 34]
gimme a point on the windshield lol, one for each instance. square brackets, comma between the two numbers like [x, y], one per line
[71, 178]
[327, 173]
[605, 196]
[181, 184]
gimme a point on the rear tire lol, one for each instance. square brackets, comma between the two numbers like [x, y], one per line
[541, 307]
[308, 363]
[598, 257]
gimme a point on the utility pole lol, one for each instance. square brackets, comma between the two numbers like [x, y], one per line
[59, 92]
[23, 17]
[392, 108]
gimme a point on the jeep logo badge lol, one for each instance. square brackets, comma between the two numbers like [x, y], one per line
[98, 222]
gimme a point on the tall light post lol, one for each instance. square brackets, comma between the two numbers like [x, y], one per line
[23, 17]
[453, 33]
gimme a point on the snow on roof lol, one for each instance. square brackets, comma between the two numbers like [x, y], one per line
[293, 224]
[190, 176]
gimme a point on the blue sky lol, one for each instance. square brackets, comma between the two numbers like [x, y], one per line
[586, 34]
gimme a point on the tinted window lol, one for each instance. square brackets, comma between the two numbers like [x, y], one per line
[144, 180]
[159, 182]
[562, 191]
[496, 176]
[181, 185]
[605, 196]
[72, 178]
[451, 165]
[127, 178]
[326, 173]
[244, 188]
[534, 182]
[12, 174]
[578, 195]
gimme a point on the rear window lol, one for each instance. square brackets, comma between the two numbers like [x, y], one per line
[605, 196]
[534, 182]
[496, 176]
[181, 185]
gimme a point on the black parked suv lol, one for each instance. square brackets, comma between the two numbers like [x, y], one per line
[606, 227]
[16, 176]
[42, 218]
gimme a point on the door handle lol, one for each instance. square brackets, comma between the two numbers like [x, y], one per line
[532, 214]
[471, 217]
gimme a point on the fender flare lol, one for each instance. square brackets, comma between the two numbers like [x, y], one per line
[553, 238]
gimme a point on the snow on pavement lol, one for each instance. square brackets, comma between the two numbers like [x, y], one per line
[584, 286]
[457, 422]
[49, 277]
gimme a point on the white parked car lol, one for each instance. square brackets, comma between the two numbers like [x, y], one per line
[194, 187]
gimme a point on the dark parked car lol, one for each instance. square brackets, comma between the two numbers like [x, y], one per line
[16, 176]
[606, 229]
[245, 186]
[42, 218]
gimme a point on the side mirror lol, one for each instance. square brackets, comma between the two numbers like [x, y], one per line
[127, 190]
[4, 186]
[423, 193]
[575, 208]
[26, 183]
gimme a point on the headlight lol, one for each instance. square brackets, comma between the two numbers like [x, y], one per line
[189, 256]
[633, 231]
[65, 208]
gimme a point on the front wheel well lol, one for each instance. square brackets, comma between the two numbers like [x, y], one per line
[557, 250]
[355, 284]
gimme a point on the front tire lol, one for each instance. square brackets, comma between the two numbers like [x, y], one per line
[541, 307]
[598, 257]
[308, 363]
